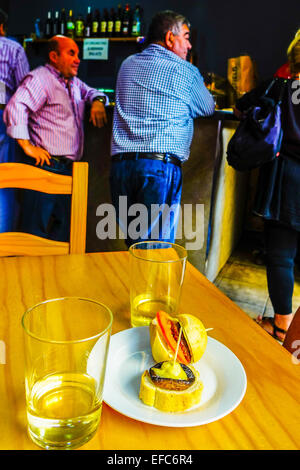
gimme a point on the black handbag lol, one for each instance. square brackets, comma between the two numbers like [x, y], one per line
[257, 139]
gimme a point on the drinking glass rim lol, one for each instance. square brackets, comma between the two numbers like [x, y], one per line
[52, 341]
[182, 258]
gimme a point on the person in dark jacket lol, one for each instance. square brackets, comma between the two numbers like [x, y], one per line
[278, 195]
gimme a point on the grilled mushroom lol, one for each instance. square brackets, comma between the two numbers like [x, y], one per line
[170, 383]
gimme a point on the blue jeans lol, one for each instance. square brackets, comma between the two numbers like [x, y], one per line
[7, 195]
[281, 244]
[152, 189]
[47, 215]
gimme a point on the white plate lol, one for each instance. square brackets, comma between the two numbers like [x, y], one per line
[221, 372]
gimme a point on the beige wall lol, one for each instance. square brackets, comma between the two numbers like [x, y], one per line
[228, 212]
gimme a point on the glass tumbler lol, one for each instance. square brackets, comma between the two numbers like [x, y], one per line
[66, 345]
[156, 276]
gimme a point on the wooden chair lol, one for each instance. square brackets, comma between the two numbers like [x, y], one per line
[19, 175]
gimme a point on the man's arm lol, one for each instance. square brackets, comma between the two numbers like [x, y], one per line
[29, 98]
[40, 155]
[98, 114]
[202, 102]
[21, 67]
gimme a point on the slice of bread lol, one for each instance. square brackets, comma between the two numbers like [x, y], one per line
[170, 400]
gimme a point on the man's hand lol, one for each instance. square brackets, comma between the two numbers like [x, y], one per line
[39, 154]
[98, 114]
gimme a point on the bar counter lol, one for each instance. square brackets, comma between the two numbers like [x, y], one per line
[207, 180]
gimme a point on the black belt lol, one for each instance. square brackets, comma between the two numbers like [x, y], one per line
[2, 106]
[61, 158]
[163, 157]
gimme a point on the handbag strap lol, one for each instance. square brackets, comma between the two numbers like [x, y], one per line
[270, 86]
[281, 89]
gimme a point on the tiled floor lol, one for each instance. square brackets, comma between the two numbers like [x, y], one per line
[243, 278]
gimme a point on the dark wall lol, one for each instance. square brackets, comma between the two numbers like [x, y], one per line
[262, 28]
[4, 4]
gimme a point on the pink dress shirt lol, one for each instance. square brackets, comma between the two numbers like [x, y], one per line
[49, 112]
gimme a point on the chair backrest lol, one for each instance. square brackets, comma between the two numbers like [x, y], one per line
[19, 175]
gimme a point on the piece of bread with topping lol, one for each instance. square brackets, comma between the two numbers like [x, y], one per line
[171, 387]
[164, 334]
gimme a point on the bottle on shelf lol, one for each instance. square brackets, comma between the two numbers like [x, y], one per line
[37, 28]
[126, 21]
[110, 24]
[70, 25]
[56, 24]
[104, 23]
[88, 23]
[49, 25]
[79, 26]
[118, 22]
[96, 24]
[136, 22]
[63, 23]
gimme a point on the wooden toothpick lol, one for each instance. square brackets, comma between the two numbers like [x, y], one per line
[177, 347]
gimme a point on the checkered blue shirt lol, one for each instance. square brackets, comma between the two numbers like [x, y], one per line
[158, 95]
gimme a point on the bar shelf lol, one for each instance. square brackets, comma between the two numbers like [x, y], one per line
[138, 39]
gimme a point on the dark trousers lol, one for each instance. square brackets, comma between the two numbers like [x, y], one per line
[47, 215]
[281, 244]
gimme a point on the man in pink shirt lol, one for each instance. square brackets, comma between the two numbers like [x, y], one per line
[45, 116]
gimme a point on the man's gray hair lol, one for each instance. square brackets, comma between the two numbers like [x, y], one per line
[163, 22]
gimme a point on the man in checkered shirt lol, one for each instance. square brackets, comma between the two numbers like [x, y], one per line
[158, 95]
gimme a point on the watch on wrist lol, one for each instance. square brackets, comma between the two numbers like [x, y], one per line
[102, 99]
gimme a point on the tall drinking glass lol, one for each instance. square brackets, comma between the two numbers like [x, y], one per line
[156, 276]
[66, 345]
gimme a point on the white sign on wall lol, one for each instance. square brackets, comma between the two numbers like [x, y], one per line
[95, 49]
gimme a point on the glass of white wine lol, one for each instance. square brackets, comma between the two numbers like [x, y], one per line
[66, 345]
[156, 276]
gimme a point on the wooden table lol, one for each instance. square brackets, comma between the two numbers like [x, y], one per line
[268, 416]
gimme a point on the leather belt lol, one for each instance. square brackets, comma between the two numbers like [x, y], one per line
[163, 157]
[2, 106]
[61, 159]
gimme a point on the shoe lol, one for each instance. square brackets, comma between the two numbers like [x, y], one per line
[276, 328]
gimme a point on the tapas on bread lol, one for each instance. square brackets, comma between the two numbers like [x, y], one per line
[172, 384]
